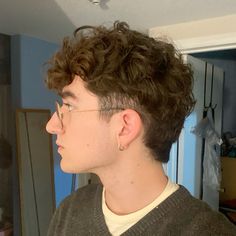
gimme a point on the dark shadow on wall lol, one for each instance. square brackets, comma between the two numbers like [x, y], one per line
[226, 59]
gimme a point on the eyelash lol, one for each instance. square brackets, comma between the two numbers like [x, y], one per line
[70, 107]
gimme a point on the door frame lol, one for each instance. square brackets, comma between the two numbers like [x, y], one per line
[219, 42]
[199, 44]
[206, 43]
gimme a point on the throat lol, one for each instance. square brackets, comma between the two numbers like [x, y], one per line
[134, 196]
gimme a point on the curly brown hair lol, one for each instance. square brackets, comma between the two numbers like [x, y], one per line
[128, 69]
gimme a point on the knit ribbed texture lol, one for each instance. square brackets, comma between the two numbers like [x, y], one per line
[180, 214]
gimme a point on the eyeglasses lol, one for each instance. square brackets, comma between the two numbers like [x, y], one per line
[60, 114]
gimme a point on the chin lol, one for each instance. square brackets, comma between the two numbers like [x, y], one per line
[67, 168]
[70, 168]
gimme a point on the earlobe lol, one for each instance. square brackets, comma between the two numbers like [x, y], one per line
[122, 148]
[130, 128]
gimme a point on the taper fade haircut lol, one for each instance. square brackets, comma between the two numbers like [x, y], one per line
[128, 69]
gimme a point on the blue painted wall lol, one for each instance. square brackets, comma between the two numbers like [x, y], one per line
[28, 91]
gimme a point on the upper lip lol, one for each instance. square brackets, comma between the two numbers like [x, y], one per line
[58, 144]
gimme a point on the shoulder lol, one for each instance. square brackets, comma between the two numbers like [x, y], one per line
[76, 209]
[85, 194]
[199, 218]
[82, 201]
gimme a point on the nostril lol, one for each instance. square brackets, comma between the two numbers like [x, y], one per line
[54, 125]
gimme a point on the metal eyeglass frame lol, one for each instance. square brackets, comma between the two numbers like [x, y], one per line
[60, 113]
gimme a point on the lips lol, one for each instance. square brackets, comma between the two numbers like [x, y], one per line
[59, 149]
[59, 145]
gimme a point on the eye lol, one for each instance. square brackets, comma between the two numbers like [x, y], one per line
[68, 106]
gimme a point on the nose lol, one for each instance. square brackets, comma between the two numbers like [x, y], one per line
[54, 125]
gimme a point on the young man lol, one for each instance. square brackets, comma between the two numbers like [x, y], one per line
[125, 97]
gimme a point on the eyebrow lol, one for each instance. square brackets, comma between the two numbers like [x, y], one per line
[67, 94]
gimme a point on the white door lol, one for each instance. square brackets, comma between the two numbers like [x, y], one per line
[190, 147]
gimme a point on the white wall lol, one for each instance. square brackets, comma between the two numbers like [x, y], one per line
[202, 35]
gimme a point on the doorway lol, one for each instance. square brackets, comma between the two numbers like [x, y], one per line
[226, 59]
[6, 158]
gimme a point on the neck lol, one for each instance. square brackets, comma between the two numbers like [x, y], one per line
[130, 187]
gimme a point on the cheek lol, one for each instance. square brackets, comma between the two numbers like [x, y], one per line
[92, 136]
[89, 146]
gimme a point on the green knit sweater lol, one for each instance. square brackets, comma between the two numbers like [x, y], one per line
[180, 214]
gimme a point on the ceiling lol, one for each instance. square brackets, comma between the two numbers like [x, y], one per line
[51, 20]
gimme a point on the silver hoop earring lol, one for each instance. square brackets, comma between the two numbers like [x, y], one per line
[121, 148]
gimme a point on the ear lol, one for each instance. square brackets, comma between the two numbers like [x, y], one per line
[130, 127]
